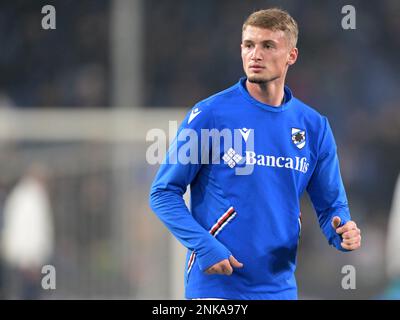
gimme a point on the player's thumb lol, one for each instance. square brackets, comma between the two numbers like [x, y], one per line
[234, 263]
[336, 222]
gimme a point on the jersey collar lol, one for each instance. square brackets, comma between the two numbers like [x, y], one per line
[286, 105]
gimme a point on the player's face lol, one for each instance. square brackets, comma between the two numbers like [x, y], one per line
[266, 54]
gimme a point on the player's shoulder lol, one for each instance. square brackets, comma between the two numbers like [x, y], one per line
[306, 109]
[219, 98]
[203, 110]
[207, 106]
[311, 114]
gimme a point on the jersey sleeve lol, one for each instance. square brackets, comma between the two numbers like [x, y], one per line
[179, 169]
[326, 188]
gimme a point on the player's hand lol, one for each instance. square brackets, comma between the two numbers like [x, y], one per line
[225, 266]
[351, 235]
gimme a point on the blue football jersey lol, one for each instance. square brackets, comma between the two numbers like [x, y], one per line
[247, 164]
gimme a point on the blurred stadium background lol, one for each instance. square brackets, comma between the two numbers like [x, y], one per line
[77, 102]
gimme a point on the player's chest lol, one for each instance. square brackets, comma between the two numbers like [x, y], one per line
[268, 142]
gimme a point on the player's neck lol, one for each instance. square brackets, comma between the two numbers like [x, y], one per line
[271, 93]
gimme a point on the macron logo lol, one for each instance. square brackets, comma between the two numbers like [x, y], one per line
[245, 133]
[194, 114]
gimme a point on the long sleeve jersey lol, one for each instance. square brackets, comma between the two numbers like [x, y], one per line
[247, 164]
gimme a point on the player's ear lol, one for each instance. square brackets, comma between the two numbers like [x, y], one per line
[294, 52]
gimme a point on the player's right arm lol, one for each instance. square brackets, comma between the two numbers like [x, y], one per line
[225, 266]
[170, 183]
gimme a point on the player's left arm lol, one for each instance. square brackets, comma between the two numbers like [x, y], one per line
[350, 233]
[329, 198]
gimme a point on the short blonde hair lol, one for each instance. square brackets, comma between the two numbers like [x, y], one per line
[274, 19]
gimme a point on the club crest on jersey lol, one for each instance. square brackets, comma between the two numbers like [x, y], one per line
[299, 138]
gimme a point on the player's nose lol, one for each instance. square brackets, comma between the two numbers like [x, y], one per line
[255, 54]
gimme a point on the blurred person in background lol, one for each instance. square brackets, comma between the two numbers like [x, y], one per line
[253, 219]
[393, 248]
[27, 235]
[3, 196]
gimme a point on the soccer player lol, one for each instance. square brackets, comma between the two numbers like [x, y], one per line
[244, 224]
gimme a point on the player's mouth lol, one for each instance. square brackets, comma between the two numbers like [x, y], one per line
[256, 68]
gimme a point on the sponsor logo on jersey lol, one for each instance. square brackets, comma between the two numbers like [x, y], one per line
[296, 163]
[232, 159]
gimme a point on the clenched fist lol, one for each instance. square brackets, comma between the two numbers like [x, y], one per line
[351, 235]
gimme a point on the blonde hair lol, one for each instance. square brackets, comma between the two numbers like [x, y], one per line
[274, 19]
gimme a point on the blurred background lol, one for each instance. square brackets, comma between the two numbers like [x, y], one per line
[77, 102]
